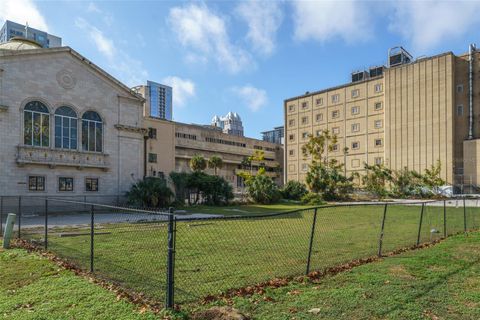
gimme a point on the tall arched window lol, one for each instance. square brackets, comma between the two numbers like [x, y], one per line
[65, 128]
[36, 124]
[92, 132]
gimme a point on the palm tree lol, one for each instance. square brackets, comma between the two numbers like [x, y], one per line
[198, 163]
[215, 162]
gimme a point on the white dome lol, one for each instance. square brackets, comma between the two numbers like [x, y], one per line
[215, 119]
[237, 116]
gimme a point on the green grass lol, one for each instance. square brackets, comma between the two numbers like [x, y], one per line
[441, 282]
[246, 210]
[33, 287]
[216, 255]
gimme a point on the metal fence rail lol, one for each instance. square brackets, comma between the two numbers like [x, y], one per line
[181, 259]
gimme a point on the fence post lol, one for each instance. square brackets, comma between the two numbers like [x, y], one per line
[19, 217]
[312, 234]
[45, 243]
[1, 215]
[444, 218]
[380, 241]
[92, 230]
[464, 216]
[420, 224]
[170, 299]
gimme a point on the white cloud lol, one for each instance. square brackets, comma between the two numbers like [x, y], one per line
[263, 19]
[22, 11]
[253, 97]
[427, 23]
[92, 7]
[130, 70]
[324, 20]
[204, 32]
[183, 89]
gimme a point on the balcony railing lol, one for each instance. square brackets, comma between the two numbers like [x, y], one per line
[61, 157]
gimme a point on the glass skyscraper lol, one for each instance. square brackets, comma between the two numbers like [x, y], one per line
[12, 29]
[275, 135]
[160, 100]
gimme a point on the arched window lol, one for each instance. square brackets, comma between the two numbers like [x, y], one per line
[36, 124]
[92, 132]
[65, 128]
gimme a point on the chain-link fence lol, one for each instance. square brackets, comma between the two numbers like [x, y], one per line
[184, 258]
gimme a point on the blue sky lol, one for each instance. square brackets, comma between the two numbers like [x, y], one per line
[247, 56]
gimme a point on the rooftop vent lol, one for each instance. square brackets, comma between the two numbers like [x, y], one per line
[376, 71]
[359, 76]
[398, 56]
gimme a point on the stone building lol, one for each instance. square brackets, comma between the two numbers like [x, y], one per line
[410, 113]
[67, 127]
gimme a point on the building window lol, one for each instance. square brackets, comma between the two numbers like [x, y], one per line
[336, 130]
[319, 101]
[378, 106]
[36, 183]
[291, 108]
[305, 120]
[335, 114]
[152, 133]
[305, 135]
[91, 184]
[92, 132]
[378, 142]
[355, 110]
[335, 98]
[378, 160]
[291, 152]
[36, 124]
[459, 88]
[460, 110]
[335, 148]
[378, 87]
[65, 128]
[355, 163]
[304, 105]
[65, 184]
[355, 127]
[291, 137]
[355, 93]
[319, 117]
[378, 124]
[185, 136]
[152, 157]
[355, 145]
[319, 132]
[291, 122]
[304, 167]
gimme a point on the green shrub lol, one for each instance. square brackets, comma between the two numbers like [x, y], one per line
[293, 190]
[313, 199]
[150, 192]
[262, 189]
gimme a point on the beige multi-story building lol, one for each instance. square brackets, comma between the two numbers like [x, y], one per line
[171, 145]
[411, 113]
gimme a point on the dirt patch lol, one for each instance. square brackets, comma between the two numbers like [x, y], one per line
[219, 313]
[399, 271]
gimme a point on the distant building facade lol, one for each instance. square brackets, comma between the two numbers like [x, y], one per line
[159, 100]
[230, 124]
[410, 113]
[12, 29]
[274, 136]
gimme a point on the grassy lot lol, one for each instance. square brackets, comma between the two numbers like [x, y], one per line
[250, 209]
[442, 282]
[32, 287]
[216, 255]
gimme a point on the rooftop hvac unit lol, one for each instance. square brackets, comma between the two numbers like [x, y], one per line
[359, 76]
[398, 56]
[376, 71]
